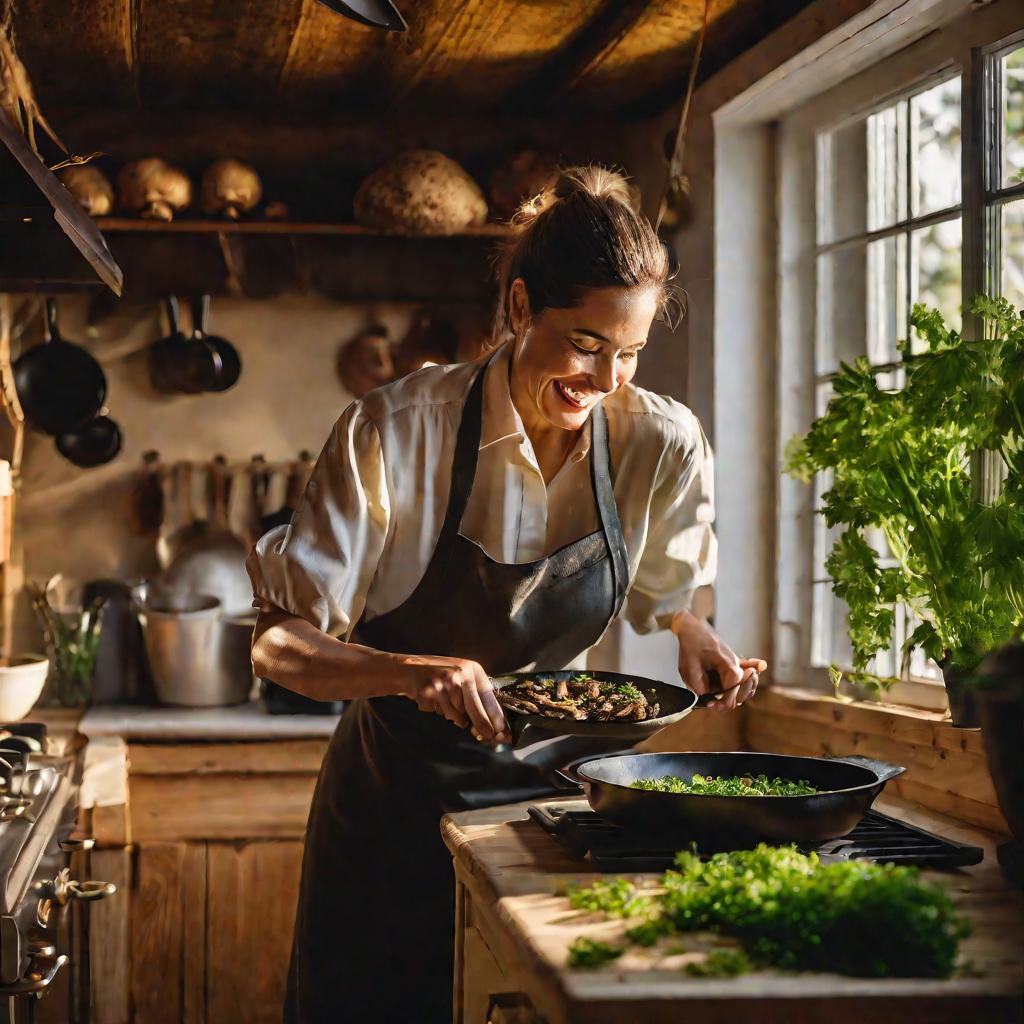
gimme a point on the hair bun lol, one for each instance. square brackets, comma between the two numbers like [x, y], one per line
[597, 182]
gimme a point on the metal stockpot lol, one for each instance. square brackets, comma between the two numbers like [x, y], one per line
[197, 657]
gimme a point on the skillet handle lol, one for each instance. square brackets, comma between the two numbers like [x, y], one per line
[569, 775]
[883, 769]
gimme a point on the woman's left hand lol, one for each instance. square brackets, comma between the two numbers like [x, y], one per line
[702, 650]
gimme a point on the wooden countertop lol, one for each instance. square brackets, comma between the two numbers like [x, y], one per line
[164, 724]
[515, 872]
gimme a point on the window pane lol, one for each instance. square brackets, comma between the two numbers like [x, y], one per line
[887, 166]
[1012, 249]
[887, 309]
[935, 265]
[842, 182]
[1012, 68]
[935, 131]
[830, 638]
[841, 305]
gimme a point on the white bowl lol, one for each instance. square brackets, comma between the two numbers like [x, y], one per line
[21, 683]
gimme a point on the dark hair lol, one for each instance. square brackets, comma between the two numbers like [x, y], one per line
[585, 231]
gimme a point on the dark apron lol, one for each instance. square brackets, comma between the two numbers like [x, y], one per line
[374, 934]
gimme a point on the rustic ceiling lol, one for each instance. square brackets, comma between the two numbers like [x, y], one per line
[458, 56]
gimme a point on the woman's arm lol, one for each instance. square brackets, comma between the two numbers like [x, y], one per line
[299, 656]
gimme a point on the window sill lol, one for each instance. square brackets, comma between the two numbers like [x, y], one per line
[946, 767]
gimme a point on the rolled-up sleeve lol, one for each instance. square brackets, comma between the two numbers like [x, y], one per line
[321, 565]
[680, 551]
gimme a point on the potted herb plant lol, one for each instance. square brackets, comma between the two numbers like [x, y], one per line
[901, 463]
[71, 637]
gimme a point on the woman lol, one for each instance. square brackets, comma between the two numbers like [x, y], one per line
[473, 519]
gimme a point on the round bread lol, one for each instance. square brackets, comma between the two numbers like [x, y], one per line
[420, 192]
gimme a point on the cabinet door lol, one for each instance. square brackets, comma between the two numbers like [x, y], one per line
[168, 910]
[251, 896]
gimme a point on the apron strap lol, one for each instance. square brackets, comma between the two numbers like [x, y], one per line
[607, 511]
[467, 447]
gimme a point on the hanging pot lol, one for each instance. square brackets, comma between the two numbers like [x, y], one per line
[230, 364]
[164, 356]
[60, 385]
[95, 444]
[179, 364]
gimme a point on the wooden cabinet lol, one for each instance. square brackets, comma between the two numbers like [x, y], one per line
[207, 854]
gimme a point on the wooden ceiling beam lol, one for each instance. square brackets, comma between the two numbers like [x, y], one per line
[77, 51]
[197, 54]
[584, 52]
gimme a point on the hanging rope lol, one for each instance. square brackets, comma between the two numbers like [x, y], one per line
[676, 179]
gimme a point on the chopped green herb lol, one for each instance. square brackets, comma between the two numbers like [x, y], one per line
[586, 952]
[629, 691]
[793, 912]
[710, 785]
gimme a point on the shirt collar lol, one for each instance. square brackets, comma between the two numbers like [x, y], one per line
[501, 419]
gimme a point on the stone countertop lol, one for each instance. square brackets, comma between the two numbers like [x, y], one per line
[240, 722]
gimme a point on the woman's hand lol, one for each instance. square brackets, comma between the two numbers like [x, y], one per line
[702, 650]
[457, 688]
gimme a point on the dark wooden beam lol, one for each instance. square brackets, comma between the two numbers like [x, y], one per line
[732, 32]
[581, 54]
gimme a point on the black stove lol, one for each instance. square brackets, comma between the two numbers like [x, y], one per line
[38, 812]
[605, 846]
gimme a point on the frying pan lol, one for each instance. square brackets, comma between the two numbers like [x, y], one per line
[230, 365]
[675, 700]
[848, 786]
[61, 386]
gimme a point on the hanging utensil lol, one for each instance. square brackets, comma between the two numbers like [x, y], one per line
[210, 559]
[95, 444]
[230, 364]
[147, 502]
[61, 386]
[164, 357]
[375, 13]
[676, 190]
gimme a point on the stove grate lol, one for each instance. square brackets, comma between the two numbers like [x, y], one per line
[877, 837]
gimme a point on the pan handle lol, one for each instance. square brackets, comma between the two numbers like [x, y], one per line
[883, 769]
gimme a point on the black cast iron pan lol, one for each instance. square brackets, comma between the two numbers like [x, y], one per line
[676, 701]
[848, 786]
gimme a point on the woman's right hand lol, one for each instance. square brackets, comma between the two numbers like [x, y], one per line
[457, 688]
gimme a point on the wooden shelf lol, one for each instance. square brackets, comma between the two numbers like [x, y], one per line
[114, 225]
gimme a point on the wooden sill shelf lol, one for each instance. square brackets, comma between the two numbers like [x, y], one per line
[274, 227]
[947, 770]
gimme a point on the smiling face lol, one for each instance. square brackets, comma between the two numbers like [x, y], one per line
[565, 361]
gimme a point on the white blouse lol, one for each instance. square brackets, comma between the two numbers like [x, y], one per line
[369, 520]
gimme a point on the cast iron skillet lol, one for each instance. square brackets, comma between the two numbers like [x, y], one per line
[848, 788]
[675, 700]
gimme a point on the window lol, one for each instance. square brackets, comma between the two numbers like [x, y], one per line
[915, 194]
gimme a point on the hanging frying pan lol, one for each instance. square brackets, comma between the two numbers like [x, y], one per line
[846, 789]
[230, 364]
[375, 13]
[60, 385]
[94, 444]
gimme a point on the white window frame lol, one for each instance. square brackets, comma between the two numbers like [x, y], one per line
[965, 44]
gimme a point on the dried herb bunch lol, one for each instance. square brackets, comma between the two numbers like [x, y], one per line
[901, 463]
[71, 642]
